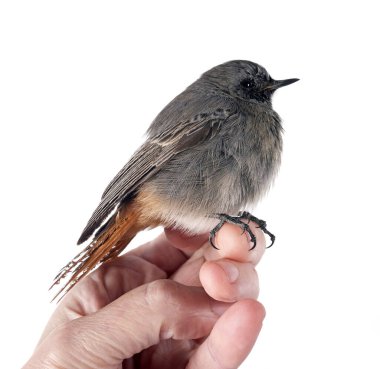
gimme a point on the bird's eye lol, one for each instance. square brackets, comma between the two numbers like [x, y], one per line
[246, 83]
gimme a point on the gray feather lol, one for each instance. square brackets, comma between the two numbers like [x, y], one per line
[213, 149]
[164, 141]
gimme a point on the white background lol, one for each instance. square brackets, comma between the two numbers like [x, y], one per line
[80, 81]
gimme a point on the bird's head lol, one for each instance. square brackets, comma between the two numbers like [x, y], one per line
[245, 80]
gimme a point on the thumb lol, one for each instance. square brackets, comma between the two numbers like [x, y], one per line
[137, 320]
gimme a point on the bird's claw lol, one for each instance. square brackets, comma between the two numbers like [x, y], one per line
[242, 215]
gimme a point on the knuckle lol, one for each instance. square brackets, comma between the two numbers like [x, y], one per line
[163, 293]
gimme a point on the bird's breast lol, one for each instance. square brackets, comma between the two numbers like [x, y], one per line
[223, 175]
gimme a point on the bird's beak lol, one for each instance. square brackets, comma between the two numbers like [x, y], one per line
[274, 85]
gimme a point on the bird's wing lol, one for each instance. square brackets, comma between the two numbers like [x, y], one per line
[150, 157]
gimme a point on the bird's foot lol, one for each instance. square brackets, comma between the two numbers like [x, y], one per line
[238, 220]
[260, 224]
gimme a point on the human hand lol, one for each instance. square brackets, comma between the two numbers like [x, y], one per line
[167, 304]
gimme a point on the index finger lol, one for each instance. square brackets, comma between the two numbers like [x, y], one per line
[227, 274]
[170, 250]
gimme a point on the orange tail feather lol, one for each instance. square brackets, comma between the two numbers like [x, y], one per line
[111, 241]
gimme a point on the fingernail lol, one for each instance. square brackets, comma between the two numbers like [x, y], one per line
[230, 269]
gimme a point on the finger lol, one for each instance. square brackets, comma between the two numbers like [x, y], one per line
[102, 286]
[113, 279]
[228, 274]
[139, 319]
[231, 339]
[188, 244]
[170, 250]
[161, 253]
[229, 281]
[232, 277]
[153, 260]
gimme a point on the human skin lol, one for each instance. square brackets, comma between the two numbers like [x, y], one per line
[174, 302]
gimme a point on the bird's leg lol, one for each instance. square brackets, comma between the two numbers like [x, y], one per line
[225, 218]
[260, 224]
[243, 215]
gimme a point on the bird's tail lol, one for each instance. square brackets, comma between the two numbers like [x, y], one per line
[108, 243]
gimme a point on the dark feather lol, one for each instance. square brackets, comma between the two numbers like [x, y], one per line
[177, 135]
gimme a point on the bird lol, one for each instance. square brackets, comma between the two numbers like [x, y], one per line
[211, 152]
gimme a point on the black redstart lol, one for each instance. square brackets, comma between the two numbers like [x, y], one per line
[211, 151]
